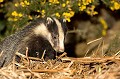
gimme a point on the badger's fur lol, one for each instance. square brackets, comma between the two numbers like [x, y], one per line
[40, 35]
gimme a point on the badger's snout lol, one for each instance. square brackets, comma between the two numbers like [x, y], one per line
[59, 48]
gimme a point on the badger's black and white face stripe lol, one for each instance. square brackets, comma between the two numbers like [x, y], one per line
[54, 31]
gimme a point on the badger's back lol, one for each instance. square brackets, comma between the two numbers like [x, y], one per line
[39, 36]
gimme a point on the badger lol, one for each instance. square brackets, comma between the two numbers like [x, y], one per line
[38, 36]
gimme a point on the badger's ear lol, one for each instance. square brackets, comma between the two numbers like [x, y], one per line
[49, 21]
[64, 20]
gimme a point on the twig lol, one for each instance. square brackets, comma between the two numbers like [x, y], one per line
[116, 53]
[27, 56]
[103, 48]
[94, 40]
[97, 51]
[86, 52]
[1, 53]
[22, 55]
[14, 64]
[62, 55]
[90, 60]
[70, 64]
[43, 71]
[75, 31]
[36, 74]
[6, 74]
[43, 54]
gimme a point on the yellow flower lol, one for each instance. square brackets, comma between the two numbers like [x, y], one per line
[69, 8]
[72, 13]
[87, 2]
[22, 4]
[26, 2]
[90, 1]
[94, 13]
[54, 1]
[116, 5]
[51, 0]
[30, 17]
[10, 19]
[67, 15]
[112, 8]
[43, 11]
[104, 32]
[57, 14]
[15, 19]
[16, 4]
[1, 0]
[104, 25]
[88, 12]
[14, 13]
[103, 22]
[83, 7]
[20, 14]
[38, 10]
[93, 7]
[68, 19]
[63, 5]
[79, 4]
[67, 2]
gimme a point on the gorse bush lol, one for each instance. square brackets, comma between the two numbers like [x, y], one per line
[20, 12]
[24, 10]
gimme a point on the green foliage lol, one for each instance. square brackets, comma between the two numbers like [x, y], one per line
[17, 13]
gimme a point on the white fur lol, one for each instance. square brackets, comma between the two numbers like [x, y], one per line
[49, 20]
[61, 36]
[43, 31]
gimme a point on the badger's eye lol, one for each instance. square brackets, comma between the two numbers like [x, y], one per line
[55, 36]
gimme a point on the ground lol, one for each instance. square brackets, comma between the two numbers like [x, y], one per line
[63, 68]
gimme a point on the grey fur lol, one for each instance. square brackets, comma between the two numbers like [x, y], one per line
[25, 38]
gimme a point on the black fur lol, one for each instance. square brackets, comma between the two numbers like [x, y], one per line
[26, 38]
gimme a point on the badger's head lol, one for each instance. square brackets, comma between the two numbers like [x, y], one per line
[54, 31]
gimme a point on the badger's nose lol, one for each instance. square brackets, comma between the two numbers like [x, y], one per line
[61, 50]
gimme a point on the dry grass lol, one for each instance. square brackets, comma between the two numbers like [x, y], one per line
[63, 68]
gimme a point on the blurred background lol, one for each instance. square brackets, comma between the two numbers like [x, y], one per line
[93, 25]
